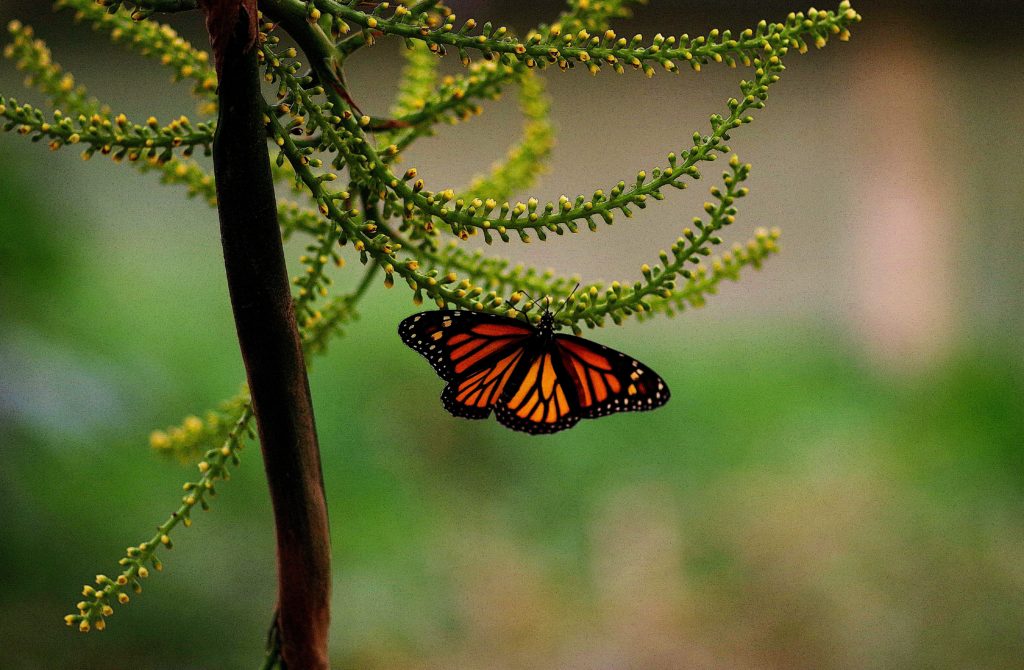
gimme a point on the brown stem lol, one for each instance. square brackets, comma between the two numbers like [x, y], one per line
[269, 341]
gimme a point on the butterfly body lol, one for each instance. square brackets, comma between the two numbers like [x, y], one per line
[533, 379]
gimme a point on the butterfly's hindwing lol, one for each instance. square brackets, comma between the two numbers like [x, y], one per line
[541, 398]
[609, 381]
[473, 395]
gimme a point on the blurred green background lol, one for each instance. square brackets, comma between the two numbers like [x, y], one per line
[837, 483]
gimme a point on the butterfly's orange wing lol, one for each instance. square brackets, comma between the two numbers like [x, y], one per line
[608, 381]
[477, 354]
[541, 397]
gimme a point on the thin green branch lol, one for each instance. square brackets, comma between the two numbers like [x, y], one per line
[98, 605]
[118, 137]
[457, 98]
[31, 55]
[704, 281]
[496, 275]
[658, 281]
[313, 283]
[73, 104]
[595, 51]
[595, 302]
[80, 118]
[153, 39]
[344, 134]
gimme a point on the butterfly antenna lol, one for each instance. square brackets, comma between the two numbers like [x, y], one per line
[565, 303]
[530, 298]
[519, 309]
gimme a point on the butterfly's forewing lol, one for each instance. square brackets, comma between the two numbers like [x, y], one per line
[541, 397]
[476, 353]
[608, 381]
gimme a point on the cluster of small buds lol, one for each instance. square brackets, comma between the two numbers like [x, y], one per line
[81, 120]
[466, 215]
[155, 40]
[116, 137]
[566, 48]
[197, 182]
[423, 106]
[657, 285]
[706, 277]
[135, 564]
[314, 282]
[327, 322]
[590, 15]
[341, 132]
[195, 435]
[346, 224]
[456, 99]
[470, 214]
[489, 216]
[33, 57]
[499, 274]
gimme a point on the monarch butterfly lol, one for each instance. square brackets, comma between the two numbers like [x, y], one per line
[535, 381]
